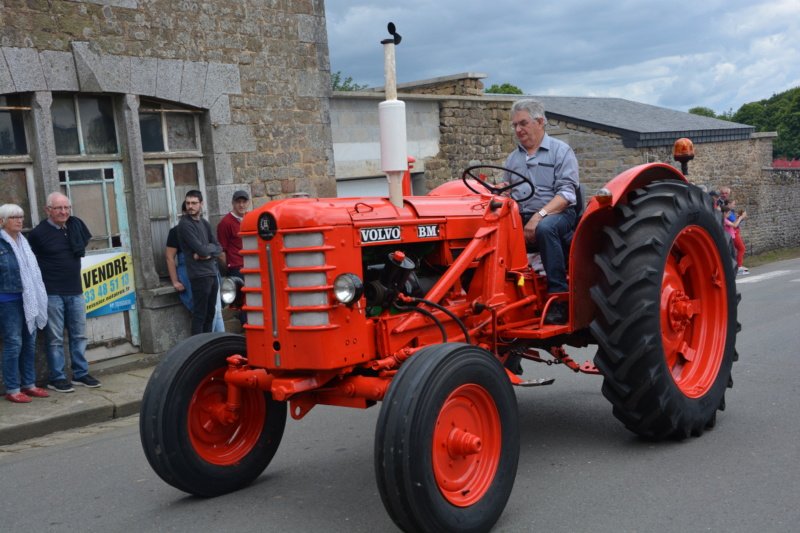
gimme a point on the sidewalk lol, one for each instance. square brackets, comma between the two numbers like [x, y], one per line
[123, 382]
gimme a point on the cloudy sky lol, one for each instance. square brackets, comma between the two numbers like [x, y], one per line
[680, 54]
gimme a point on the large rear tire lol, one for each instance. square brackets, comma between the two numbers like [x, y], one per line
[187, 446]
[447, 441]
[667, 304]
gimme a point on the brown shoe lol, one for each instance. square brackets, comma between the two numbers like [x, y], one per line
[36, 392]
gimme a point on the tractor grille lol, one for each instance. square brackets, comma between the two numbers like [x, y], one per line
[301, 276]
[306, 279]
[253, 280]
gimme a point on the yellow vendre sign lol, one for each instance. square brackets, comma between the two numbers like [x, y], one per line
[108, 283]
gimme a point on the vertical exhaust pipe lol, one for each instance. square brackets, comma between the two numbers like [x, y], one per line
[392, 119]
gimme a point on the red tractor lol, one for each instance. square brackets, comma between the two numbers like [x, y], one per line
[428, 307]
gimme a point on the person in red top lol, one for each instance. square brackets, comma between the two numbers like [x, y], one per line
[228, 233]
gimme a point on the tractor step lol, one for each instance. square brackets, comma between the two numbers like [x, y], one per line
[538, 332]
[536, 382]
[518, 381]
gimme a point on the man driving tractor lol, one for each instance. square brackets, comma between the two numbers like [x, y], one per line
[549, 214]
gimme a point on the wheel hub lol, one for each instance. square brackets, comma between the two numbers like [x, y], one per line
[460, 443]
[693, 312]
[681, 310]
[217, 435]
[466, 445]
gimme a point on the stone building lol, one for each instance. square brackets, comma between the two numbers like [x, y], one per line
[125, 105]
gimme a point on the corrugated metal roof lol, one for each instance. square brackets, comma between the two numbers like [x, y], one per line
[641, 124]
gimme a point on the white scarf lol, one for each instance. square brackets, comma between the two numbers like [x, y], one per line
[34, 295]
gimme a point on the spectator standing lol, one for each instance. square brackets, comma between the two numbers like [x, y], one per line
[200, 249]
[724, 195]
[738, 243]
[176, 265]
[715, 199]
[23, 307]
[728, 226]
[550, 213]
[228, 233]
[59, 242]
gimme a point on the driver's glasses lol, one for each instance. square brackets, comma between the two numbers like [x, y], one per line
[520, 124]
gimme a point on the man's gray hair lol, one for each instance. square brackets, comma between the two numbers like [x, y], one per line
[53, 195]
[533, 107]
[10, 210]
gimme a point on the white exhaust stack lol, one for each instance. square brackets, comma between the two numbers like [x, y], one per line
[392, 119]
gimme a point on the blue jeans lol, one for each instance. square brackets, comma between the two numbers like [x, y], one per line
[549, 235]
[69, 312]
[19, 348]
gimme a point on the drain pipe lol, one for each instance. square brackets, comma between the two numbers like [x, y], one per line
[392, 119]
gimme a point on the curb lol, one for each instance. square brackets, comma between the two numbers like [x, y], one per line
[119, 396]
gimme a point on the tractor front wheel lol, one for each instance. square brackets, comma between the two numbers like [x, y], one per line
[447, 441]
[185, 432]
[666, 312]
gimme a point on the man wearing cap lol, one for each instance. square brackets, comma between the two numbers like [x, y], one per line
[228, 233]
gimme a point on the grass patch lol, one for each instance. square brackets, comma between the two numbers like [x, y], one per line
[771, 257]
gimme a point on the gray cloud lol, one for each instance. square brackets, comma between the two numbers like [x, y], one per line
[718, 53]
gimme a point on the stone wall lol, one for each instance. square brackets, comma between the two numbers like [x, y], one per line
[462, 87]
[277, 51]
[772, 221]
[473, 131]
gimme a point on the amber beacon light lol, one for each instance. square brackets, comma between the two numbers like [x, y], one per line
[683, 151]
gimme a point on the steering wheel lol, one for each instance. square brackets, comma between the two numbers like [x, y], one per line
[493, 188]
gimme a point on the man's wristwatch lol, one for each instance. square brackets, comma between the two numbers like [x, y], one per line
[542, 213]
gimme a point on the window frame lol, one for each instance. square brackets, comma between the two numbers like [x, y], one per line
[25, 111]
[30, 185]
[83, 155]
[119, 197]
[167, 159]
[152, 107]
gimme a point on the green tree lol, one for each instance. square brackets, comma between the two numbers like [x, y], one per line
[754, 114]
[726, 115]
[788, 142]
[506, 88]
[347, 85]
[703, 111]
[781, 113]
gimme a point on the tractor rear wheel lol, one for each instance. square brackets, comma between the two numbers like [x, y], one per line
[182, 434]
[666, 312]
[447, 441]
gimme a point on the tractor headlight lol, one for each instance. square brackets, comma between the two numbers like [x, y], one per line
[348, 288]
[231, 290]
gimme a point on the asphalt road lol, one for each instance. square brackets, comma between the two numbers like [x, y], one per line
[580, 470]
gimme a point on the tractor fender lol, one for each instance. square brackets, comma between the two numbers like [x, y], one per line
[588, 238]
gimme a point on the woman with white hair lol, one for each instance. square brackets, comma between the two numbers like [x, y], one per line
[23, 307]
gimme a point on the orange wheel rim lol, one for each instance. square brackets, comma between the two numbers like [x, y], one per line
[466, 445]
[224, 443]
[694, 311]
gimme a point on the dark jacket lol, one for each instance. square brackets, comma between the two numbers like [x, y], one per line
[195, 237]
[58, 252]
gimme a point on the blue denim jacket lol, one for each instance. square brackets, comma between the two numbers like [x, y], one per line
[10, 278]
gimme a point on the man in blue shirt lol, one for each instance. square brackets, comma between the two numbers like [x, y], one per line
[550, 213]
